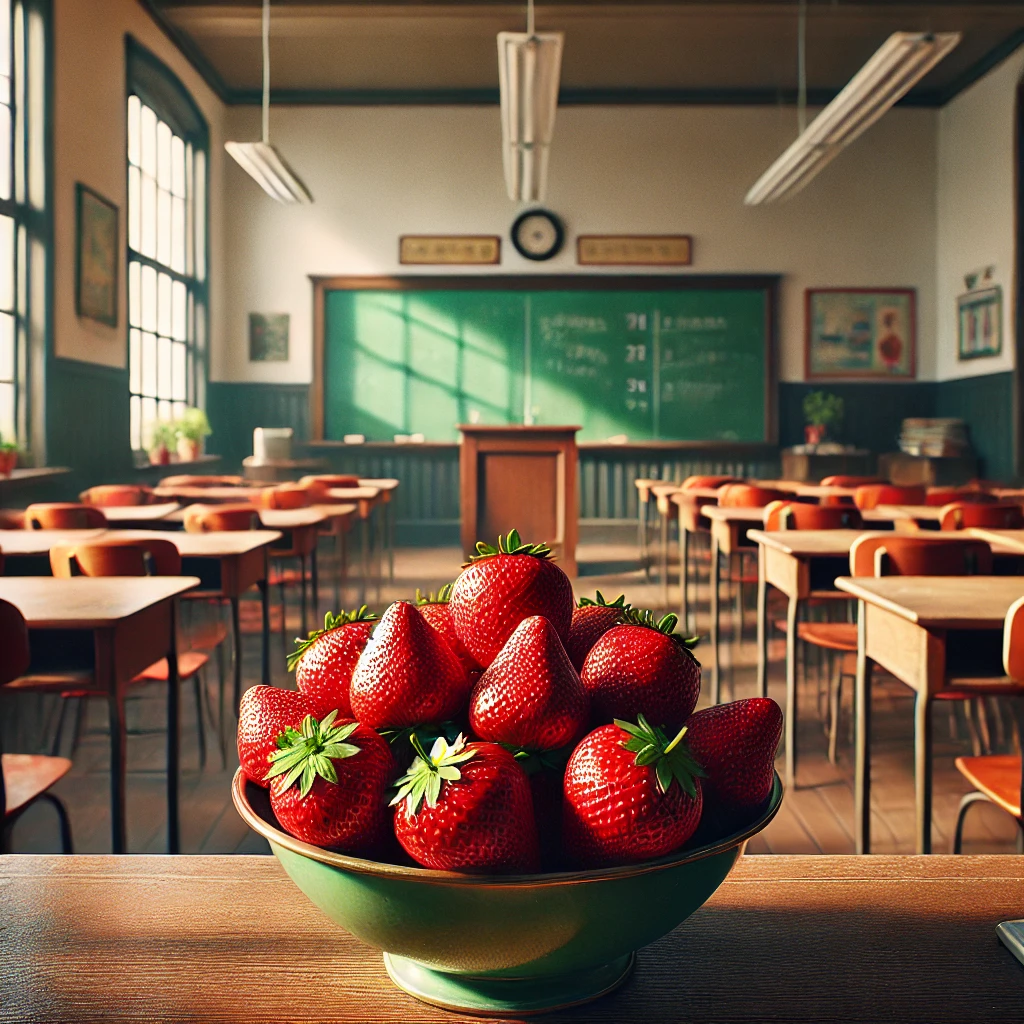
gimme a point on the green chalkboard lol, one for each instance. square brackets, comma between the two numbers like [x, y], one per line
[645, 358]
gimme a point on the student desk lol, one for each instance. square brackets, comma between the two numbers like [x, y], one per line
[187, 493]
[131, 625]
[139, 515]
[366, 498]
[799, 939]
[387, 486]
[915, 627]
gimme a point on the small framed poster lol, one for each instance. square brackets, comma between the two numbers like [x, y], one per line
[268, 337]
[97, 256]
[865, 333]
[980, 318]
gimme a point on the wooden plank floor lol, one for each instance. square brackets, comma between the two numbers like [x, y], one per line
[816, 818]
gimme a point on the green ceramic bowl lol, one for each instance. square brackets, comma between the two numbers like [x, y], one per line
[500, 944]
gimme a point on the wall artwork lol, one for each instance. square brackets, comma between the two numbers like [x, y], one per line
[980, 316]
[860, 332]
[97, 256]
[268, 337]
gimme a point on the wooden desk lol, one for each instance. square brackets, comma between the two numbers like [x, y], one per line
[906, 625]
[208, 495]
[132, 622]
[521, 478]
[139, 515]
[338, 523]
[387, 486]
[366, 499]
[37, 543]
[796, 939]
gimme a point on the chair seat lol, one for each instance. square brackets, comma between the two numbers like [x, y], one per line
[997, 776]
[833, 636]
[204, 636]
[26, 776]
[68, 683]
[189, 663]
[983, 686]
[289, 577]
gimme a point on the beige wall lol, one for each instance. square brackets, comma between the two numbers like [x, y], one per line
[975, 204]
[89, 146]
[868, 220]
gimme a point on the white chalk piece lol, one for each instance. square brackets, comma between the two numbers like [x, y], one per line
[354, 439]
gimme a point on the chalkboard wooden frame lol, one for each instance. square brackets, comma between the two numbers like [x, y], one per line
[552, 282]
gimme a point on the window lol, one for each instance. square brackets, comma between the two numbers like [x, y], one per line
[167, 302]
[22, 205]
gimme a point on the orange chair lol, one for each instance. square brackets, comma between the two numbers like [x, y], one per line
[188, 480]
[12, 519]
[331, 479]
[283, 497]
[116, 495]
[871, 495]
[999, 778]
[749, 496]
[25, 778]
[129, 557]
[61, 515]
[947, 495]
[961, 516]
[213, 518]
[850, 481]
[797, 515]
[708, 481]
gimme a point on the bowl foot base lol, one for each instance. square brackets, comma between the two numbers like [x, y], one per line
[496, 997]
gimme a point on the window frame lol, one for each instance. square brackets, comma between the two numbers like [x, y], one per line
[159, 89]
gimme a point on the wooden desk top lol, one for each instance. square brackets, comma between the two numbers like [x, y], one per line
[924, 513]
[361, 493]
[292, 518]
[795, 939]
[384, 483]
[39, 542]
[84, 602]
[33, 475]
[941, 602]
[808, 543]
[337, 511]
[756, 515]
[209, 494]
[140, 513]
[216, 544]
[1013, 539]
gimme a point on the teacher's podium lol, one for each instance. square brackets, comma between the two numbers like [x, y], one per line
[520, 478]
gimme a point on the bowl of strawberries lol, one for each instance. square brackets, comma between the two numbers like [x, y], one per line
[506, 792]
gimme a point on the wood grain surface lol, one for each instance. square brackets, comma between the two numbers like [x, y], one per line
[908, 939]
[838, 542]
[140, 513]
[215, 544]
[39, 542]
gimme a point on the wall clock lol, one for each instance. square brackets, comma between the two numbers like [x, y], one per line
[537, 234]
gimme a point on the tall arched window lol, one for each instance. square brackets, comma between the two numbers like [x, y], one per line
[168, 144]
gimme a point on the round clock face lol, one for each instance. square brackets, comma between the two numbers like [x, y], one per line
[537, 234]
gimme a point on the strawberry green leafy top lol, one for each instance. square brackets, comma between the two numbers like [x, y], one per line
[423, 779]
[666, 624]
[510, 545]
[602, 602]
[306, 752]
[672, 760]
[331, 621]
[443, 596]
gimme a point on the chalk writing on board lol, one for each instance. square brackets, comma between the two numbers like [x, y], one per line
[550, 324]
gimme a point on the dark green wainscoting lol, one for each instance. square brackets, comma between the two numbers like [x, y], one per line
[235, 410]
[986, 405]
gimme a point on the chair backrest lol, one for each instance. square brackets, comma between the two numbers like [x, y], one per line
[947, 495]
[214, 518]
[911, 555]
[12, 519]
[116, 495]
[14, 649]
[150, 557]
[332, 479]
[960, 515]
[707, 481]
[850, 481]
[1013, 641]
[285, 496]
[749, 496]
[63, 516]
[871, 495]
[797, 515]
[188, 480]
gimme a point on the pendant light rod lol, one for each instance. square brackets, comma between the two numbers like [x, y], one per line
[530, 27]
[266, 70]
[801, 68]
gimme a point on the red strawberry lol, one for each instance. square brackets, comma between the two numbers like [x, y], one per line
[328, 784]
[642, 667]
[630, 795]
[434, 608]
[500, 587]
[590, 621]
[324, 661]
[264, 713]
[735, 744]
[407, 675]
[530, 696]
[466, 808]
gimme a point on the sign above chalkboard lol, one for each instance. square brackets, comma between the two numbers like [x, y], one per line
[450, 250]
[634, 250]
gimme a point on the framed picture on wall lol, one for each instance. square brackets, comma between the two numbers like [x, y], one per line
[866, 333]
[268, 337]
[980, 318]
[97, 255]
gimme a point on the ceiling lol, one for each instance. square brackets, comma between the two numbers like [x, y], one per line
[698, 51]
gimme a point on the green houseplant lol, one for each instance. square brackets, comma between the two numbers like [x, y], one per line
[162, 438]
[8, 456]
[192, 426]
[821, 411]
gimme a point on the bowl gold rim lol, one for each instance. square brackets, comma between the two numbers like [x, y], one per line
[380, 869]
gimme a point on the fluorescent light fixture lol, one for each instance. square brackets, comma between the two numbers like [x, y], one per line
[901, 61]
[529, 66]
[260, 160]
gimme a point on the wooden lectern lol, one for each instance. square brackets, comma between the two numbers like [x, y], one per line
[521, 478]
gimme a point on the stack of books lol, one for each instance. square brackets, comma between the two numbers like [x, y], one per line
[935, 437]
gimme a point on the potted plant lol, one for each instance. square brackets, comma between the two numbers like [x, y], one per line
[192, 427]
[821, 412]
[8, 457]
[162, 438]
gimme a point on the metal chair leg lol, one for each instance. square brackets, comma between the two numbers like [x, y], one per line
[961, 814]
[59, 735]
[197, 694]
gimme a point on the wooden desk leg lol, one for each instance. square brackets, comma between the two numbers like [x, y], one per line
[378, 531]
[791, 702]
[923, 771]
[173, 738]
[389, 520]
[236, 640]
[118, 760]
[716, 674]
[762, 625]
[365, 568]
[265, 609]
[314, 582]
[302, 593]
[862, 740]
[664, 561]
[339, 549]
[641, 529]
[684, 577]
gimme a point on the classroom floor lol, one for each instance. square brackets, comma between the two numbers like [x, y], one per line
[816, 818]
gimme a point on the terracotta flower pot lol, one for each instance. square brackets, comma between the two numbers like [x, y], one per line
[814, 433]
[8, 461]
[188, 451]
[160, 456]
